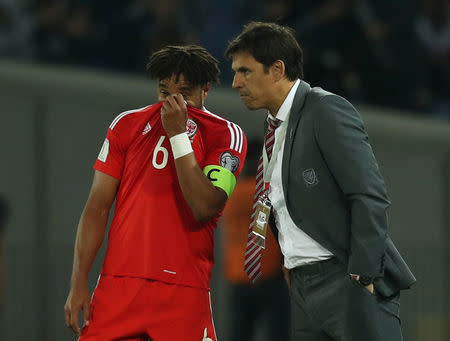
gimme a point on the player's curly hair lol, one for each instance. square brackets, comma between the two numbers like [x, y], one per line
[196, 64]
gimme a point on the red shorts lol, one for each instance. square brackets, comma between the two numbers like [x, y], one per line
[136, 309]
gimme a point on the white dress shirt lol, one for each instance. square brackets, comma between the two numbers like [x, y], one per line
[297, 247]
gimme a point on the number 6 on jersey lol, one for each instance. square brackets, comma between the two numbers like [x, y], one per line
[160, 148]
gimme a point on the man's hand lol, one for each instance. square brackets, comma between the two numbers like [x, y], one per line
[78, 299]
[370, 288]
[174, 115]
[357, 278]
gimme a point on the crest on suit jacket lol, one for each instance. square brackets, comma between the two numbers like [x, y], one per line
[310, 177]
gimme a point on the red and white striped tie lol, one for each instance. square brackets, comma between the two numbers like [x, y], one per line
[252, 260]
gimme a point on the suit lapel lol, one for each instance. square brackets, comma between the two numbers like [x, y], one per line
[294, 117]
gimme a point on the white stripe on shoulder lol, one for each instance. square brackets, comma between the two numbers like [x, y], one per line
[236, 133]
[230, 128]
[241, 139]
[212, 114]
[238, 136]
[122, 115]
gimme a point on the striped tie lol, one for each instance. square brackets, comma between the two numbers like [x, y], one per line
[252, 261]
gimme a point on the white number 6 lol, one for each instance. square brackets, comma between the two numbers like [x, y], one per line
[160, 148]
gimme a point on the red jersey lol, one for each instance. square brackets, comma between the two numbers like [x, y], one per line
[154, 233]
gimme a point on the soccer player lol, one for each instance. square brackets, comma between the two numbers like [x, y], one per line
[170, 167]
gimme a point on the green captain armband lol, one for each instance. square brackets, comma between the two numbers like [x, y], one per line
[221, 177]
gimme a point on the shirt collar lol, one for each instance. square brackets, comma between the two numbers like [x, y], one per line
[287, 104]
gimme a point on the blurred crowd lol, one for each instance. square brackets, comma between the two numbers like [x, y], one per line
[381, 52]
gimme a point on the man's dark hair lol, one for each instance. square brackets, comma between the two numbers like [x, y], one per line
[196, 64]
[267, 43]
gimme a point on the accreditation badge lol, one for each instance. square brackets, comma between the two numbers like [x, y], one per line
[261, 219]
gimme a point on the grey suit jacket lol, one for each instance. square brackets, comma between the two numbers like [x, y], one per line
[334, 190]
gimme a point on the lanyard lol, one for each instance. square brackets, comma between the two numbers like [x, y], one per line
[269, 166]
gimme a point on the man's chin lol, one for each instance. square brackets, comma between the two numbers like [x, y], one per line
[250, 105]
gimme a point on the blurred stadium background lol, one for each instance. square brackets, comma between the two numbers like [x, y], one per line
[68, 67]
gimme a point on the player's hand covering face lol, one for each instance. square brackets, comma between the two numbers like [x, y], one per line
[193, 95]
[174, 115]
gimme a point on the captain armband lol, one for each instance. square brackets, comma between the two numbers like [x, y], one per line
[221, 177]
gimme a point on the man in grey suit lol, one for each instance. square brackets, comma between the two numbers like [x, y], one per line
[327, 197]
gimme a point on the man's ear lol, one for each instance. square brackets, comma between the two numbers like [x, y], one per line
[278, 70]
[205, 90]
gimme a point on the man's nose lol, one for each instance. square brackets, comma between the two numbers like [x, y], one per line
[236, 82]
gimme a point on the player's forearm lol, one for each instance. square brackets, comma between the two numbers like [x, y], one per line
[90, 235]
[204, 199]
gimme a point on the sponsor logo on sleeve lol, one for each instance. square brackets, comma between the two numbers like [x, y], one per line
[147, 128]
[229, 161]
[103, 155]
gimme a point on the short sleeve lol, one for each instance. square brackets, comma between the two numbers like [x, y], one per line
[227, 149]
[111, 157]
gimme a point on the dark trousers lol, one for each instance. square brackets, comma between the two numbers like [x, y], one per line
[326, 305]
[264, 305]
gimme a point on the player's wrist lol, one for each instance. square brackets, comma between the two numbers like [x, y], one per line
[175, 130]
[181, 145]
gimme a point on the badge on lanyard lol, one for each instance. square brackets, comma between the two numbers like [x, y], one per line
[261, 219]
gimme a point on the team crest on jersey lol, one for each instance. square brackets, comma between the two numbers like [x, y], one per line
[229, 161]
[191, 128]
